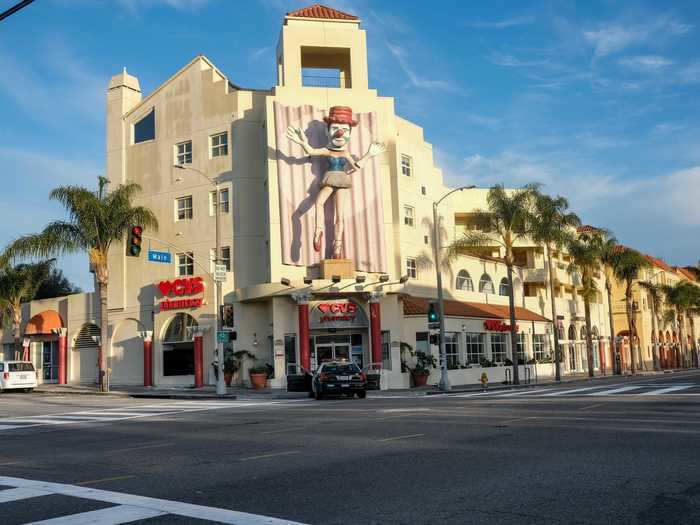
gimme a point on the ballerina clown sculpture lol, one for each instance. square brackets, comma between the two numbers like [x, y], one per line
[337, 179]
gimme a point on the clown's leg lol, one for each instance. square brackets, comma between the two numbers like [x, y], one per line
[321, 199]
[341, 199]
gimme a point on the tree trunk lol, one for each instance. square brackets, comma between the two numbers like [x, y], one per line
[589, 338]
[16, 320]
[513, 327]
[681, 335]
[630, 329]
[555, 327]
[104, 335]
[655, 336]
[695, 341]
[611, 320]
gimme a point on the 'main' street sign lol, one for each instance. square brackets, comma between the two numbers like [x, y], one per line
[159, 257]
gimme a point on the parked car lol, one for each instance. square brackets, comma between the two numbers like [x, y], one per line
[17, 375]
[339, 378]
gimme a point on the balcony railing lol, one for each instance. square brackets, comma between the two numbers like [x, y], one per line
[320, 81]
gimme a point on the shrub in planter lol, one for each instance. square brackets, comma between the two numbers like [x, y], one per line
[486, 363]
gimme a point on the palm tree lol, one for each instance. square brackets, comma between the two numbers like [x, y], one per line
[608, 256]
[18, 284]
[509, 218]
[656, 300]
[684, 298]
[585, 253]
[96, 220]
[628, 266]
[552, 227]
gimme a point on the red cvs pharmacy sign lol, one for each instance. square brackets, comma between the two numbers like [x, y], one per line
[181, 289]
[498, 326]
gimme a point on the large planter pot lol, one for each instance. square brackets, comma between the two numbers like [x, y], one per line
[420, 379]
[258, 380]
[228, 377]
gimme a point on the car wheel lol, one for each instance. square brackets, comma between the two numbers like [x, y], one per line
[362, 395]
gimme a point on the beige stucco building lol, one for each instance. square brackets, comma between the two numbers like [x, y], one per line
[199, 129]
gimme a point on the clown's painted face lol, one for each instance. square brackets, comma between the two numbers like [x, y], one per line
[338, 135]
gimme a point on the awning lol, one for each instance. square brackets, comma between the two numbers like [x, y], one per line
[42, 323]
[419, 306]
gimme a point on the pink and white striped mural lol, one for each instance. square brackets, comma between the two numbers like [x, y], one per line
[299, 178]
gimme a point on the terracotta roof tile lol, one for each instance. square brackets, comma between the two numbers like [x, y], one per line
[586, 228]
[659, 263]
[419, 306]
[686, 273]
[322, 12]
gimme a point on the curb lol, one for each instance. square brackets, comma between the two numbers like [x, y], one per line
[181, 396]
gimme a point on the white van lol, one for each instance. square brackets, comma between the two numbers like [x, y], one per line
[17, 375]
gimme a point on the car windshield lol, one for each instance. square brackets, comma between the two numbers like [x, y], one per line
[346, 369]
[20, 367]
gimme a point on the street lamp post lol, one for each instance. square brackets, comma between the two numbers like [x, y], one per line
[220, 382]
[444, 378]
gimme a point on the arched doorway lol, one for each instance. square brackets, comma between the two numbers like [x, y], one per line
[85, 344]
[178, 345]
[596, 347]
[572, 347]
[42, 333]
[584, 349]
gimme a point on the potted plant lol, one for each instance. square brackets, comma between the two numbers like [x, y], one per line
[421, 371]
[258, 375]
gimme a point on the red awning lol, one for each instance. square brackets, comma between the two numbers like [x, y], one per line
[42, 323]
[419, 306]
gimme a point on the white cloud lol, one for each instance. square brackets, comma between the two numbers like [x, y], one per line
[503, 24]
[665, 128]
[646, 63]
[506, 59]
[691, 73]
[421, 82]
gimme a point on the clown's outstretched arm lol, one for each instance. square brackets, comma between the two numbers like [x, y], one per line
[297, 136]
[376, 148]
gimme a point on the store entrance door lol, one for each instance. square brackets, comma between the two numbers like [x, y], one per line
[50, 361]
[336, 347]
[332, 352]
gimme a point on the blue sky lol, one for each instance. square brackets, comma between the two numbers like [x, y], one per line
[598, 100]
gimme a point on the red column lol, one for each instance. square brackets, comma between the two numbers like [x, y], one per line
[62, 357]
[303, 315]
[148, 359]
[375, 323]
[198, 361]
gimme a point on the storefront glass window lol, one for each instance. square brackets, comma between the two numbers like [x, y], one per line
[539, 349]
[290, 353]
[522, 345]
[452, 349]
[422, 342]
[474, 347]
[178, 345]
[386, 350]
[498, 348]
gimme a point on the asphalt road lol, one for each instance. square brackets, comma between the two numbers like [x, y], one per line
[620, 451]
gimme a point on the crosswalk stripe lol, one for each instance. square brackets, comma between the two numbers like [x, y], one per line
[39, 420]
[109, 516]
[21, 493]
[615, 390]
[10, 427]
[575, 390]
[666, 390]
[521, 392]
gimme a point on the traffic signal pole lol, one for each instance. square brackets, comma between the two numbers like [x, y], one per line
[444, 376]
[220, 381]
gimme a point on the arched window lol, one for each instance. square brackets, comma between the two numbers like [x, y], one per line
[464, 281]
[503, 287]
[180, 329]
[594, 333]
[572, 333]
[486, 284]
[583, 333]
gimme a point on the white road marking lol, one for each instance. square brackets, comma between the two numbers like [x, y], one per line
[21, 493]
[409, 436]
[572, 391]
[11, 427]
[44, 420]
[666, 390]
[270, 455]
[615, 390]
[522, 392]
[108, 516]
[160, 505]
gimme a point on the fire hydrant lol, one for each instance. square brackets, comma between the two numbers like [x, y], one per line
[484, 382]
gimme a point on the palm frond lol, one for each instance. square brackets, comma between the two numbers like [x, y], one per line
[58, 238]
[471, 243]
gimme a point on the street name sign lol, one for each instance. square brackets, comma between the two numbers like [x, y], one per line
[159, 257]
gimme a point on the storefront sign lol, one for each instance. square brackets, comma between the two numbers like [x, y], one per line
[336, 314]
[180, 288]
[498, 326]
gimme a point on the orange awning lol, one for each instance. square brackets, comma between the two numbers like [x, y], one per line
[42, 323]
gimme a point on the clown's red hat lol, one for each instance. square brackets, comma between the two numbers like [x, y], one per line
[340, 115]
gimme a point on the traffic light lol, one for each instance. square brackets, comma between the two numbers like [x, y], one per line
[227, 316]
[133, 246]
[433, 315]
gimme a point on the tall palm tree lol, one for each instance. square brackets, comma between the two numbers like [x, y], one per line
[552, 228]
[684, 298]
[585, 252]
[656, 300]
[509, 218]
[628, 267]
[608, 257]
[18, 284]
[96, 220]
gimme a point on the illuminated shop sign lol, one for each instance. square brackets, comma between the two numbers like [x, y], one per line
[498, 326]
[336, 314]
[181, 289]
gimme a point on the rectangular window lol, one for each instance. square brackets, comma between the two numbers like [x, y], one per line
[223, 199]
[521, 346]
[425, 239]
[423, 190]
[411, 269]
[185, 264]
[290, 353]
[474, 347]
[498, 348]
[409, 216]
[145, 129]
[225, 257]
[386, 350]
[219, 145]
[539, 349]
[183, 153]
[184, 208]
[452, 350]
[406, 165]
[423, 342]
